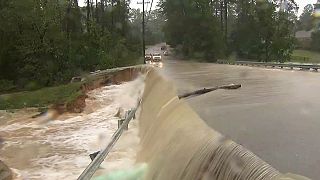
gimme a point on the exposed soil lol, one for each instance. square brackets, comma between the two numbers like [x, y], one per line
[79, 104]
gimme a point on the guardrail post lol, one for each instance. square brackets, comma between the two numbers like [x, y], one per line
[120, 122]
[100, 156]
[94, 155]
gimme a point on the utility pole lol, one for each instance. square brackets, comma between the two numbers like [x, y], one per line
[112, 20]
[143, 30]
[143, 35]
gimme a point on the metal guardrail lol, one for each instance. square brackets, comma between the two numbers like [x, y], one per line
[95, 164]
[281, 65]
[113, 70]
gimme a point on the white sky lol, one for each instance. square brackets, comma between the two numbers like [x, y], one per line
[133, 4]
[147, 6]
[301, 3]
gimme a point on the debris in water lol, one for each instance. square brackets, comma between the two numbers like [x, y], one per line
[94, 155]
[207, 90]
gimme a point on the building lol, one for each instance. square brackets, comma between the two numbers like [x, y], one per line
[304, 39]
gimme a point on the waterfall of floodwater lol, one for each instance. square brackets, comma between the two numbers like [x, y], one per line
[60, 148]
[177, 144]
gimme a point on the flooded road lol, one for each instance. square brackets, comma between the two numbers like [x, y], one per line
[275, 114]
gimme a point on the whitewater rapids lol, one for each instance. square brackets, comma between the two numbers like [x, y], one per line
[60, 148]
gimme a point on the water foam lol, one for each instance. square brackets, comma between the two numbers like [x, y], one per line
[60, 148]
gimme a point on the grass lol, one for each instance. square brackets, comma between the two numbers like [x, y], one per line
[42, 97]
[305, 56]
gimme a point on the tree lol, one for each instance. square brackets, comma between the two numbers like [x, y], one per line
[306, 21]
[47, 42]
[262, 32]
[193, 26]
[154, 27]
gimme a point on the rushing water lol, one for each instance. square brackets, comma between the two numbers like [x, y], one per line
[275, 114]
[60, 148]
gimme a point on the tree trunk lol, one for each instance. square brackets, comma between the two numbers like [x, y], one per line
[205, 90]
[226, 20]
[76, 4]
[67, 22]
[112, 19]
[88, 16]
[97, 15]
[212, 7]
[221, 15]
[92, 9]
[102, 5]
[216, 7]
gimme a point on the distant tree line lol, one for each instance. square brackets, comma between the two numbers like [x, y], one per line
[46, 42]
[309, 22]
[154, 21]
[306, 19]
[252, 29]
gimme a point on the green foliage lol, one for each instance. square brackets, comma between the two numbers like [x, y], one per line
[154, 23]
[41, 98]
[48, 42]
[306, 21]
[154, 27]
[32, 85]
[315, 44]
[262, 32]
[213, 29]
[306, 56]
[192, 25]
[6, 85]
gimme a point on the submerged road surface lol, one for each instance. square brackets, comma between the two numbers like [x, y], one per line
[276, 114]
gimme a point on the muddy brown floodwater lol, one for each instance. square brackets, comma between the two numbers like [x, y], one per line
[60, 148]
[275, 114]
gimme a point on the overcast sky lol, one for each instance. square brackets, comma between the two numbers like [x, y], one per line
[133, 4]
[301, 3]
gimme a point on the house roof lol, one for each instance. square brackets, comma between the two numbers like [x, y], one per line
[303, 34]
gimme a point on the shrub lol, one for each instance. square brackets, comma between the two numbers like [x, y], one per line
[6, 85]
